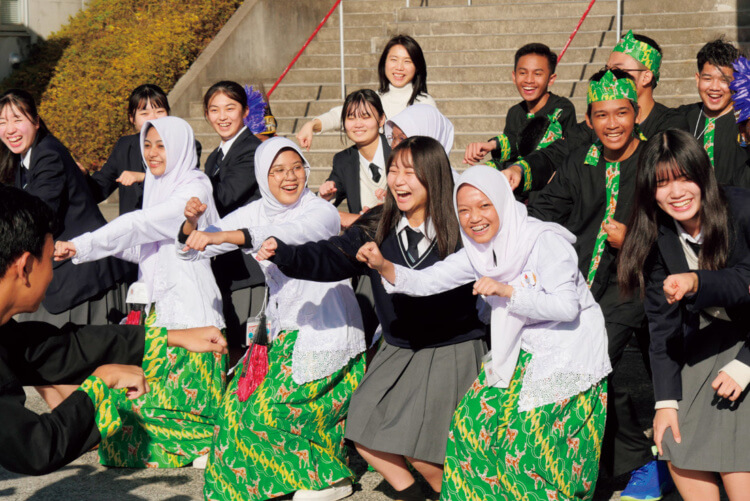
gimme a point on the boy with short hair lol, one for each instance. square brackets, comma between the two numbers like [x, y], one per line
[533, 73]
[592, 195]
[640, 57]
[711, 120]
[34, 353]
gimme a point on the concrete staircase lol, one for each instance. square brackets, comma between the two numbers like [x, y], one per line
[469, 53]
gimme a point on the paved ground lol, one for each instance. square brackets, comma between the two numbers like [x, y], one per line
[85, 479]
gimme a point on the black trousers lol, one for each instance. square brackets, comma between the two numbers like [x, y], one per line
[625, 447]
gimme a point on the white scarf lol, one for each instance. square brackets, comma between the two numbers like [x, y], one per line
[179, 174]
[503, 259]
[423, 120]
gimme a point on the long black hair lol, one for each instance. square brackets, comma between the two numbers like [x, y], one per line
[419, 82]
[24, 103]
[672, 153]
[433, 170]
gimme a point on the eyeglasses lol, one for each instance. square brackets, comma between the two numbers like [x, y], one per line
[280, 173]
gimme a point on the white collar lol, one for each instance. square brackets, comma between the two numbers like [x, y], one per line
[684, 235]
[426, 228]
[377, 159]
[225, 145]
[405, 90]
[26, 160]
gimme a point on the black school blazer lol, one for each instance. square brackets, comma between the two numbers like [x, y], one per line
[235, 186]
[674, 328]
[126, 155]
[37, 353]
[345, 174]
[234, 183]
[54, 177]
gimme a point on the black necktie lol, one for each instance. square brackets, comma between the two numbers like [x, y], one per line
[696, 247]
[375, 172]
[219, 158]
[413, 237]
[23, 177]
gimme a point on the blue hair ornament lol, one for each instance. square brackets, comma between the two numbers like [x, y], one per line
[256, 105]
[741, 88]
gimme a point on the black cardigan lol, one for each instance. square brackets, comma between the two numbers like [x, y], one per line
[408, 322]
[674, 328]
[37, 353]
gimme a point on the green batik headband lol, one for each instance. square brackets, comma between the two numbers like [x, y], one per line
[640, 51]
[609, 88]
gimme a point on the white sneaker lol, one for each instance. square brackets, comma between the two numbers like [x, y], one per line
[199, 463]
[339, 490]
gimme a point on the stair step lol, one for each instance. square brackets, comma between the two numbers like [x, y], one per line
[519, 10]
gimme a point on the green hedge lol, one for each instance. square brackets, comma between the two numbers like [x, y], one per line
[83, 74]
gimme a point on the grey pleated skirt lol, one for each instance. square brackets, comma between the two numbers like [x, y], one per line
[405, 402]
[715, 431]
[108, 307]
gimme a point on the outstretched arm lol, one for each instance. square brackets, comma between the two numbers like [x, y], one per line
[328, 260]
[453, 271]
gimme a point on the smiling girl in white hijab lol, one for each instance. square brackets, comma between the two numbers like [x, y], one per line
[173, 424]
[531, 425]
[288, 435]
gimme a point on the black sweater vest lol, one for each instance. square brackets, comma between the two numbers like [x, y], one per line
[424, 322]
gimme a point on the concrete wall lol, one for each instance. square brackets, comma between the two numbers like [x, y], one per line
[46, 16]
[255, 45]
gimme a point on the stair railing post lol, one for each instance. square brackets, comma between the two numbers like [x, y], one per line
[619, 20]
[341, 49]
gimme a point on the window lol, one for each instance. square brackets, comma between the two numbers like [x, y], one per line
[11, 12]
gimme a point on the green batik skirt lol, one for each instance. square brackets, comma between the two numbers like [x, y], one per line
[174, 423]
[550, 452]
[286, 436]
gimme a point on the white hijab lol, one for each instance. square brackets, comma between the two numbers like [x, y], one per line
[503, 259]
[271, 210]
[179, 174]
[423, 120]
[179, 142]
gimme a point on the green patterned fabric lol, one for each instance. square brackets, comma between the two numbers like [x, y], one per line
[708, 138]
[503, 144]
[107, 419]
[285, 437]
[610, 88]
[613, 189]
[550, 452]
[173, 424]
[526, 170]
[640, 51]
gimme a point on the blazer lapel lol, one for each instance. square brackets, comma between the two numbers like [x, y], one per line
[354, 188]
[671, 249]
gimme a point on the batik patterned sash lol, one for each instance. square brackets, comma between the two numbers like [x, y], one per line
[708, 138]
[613, 188]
